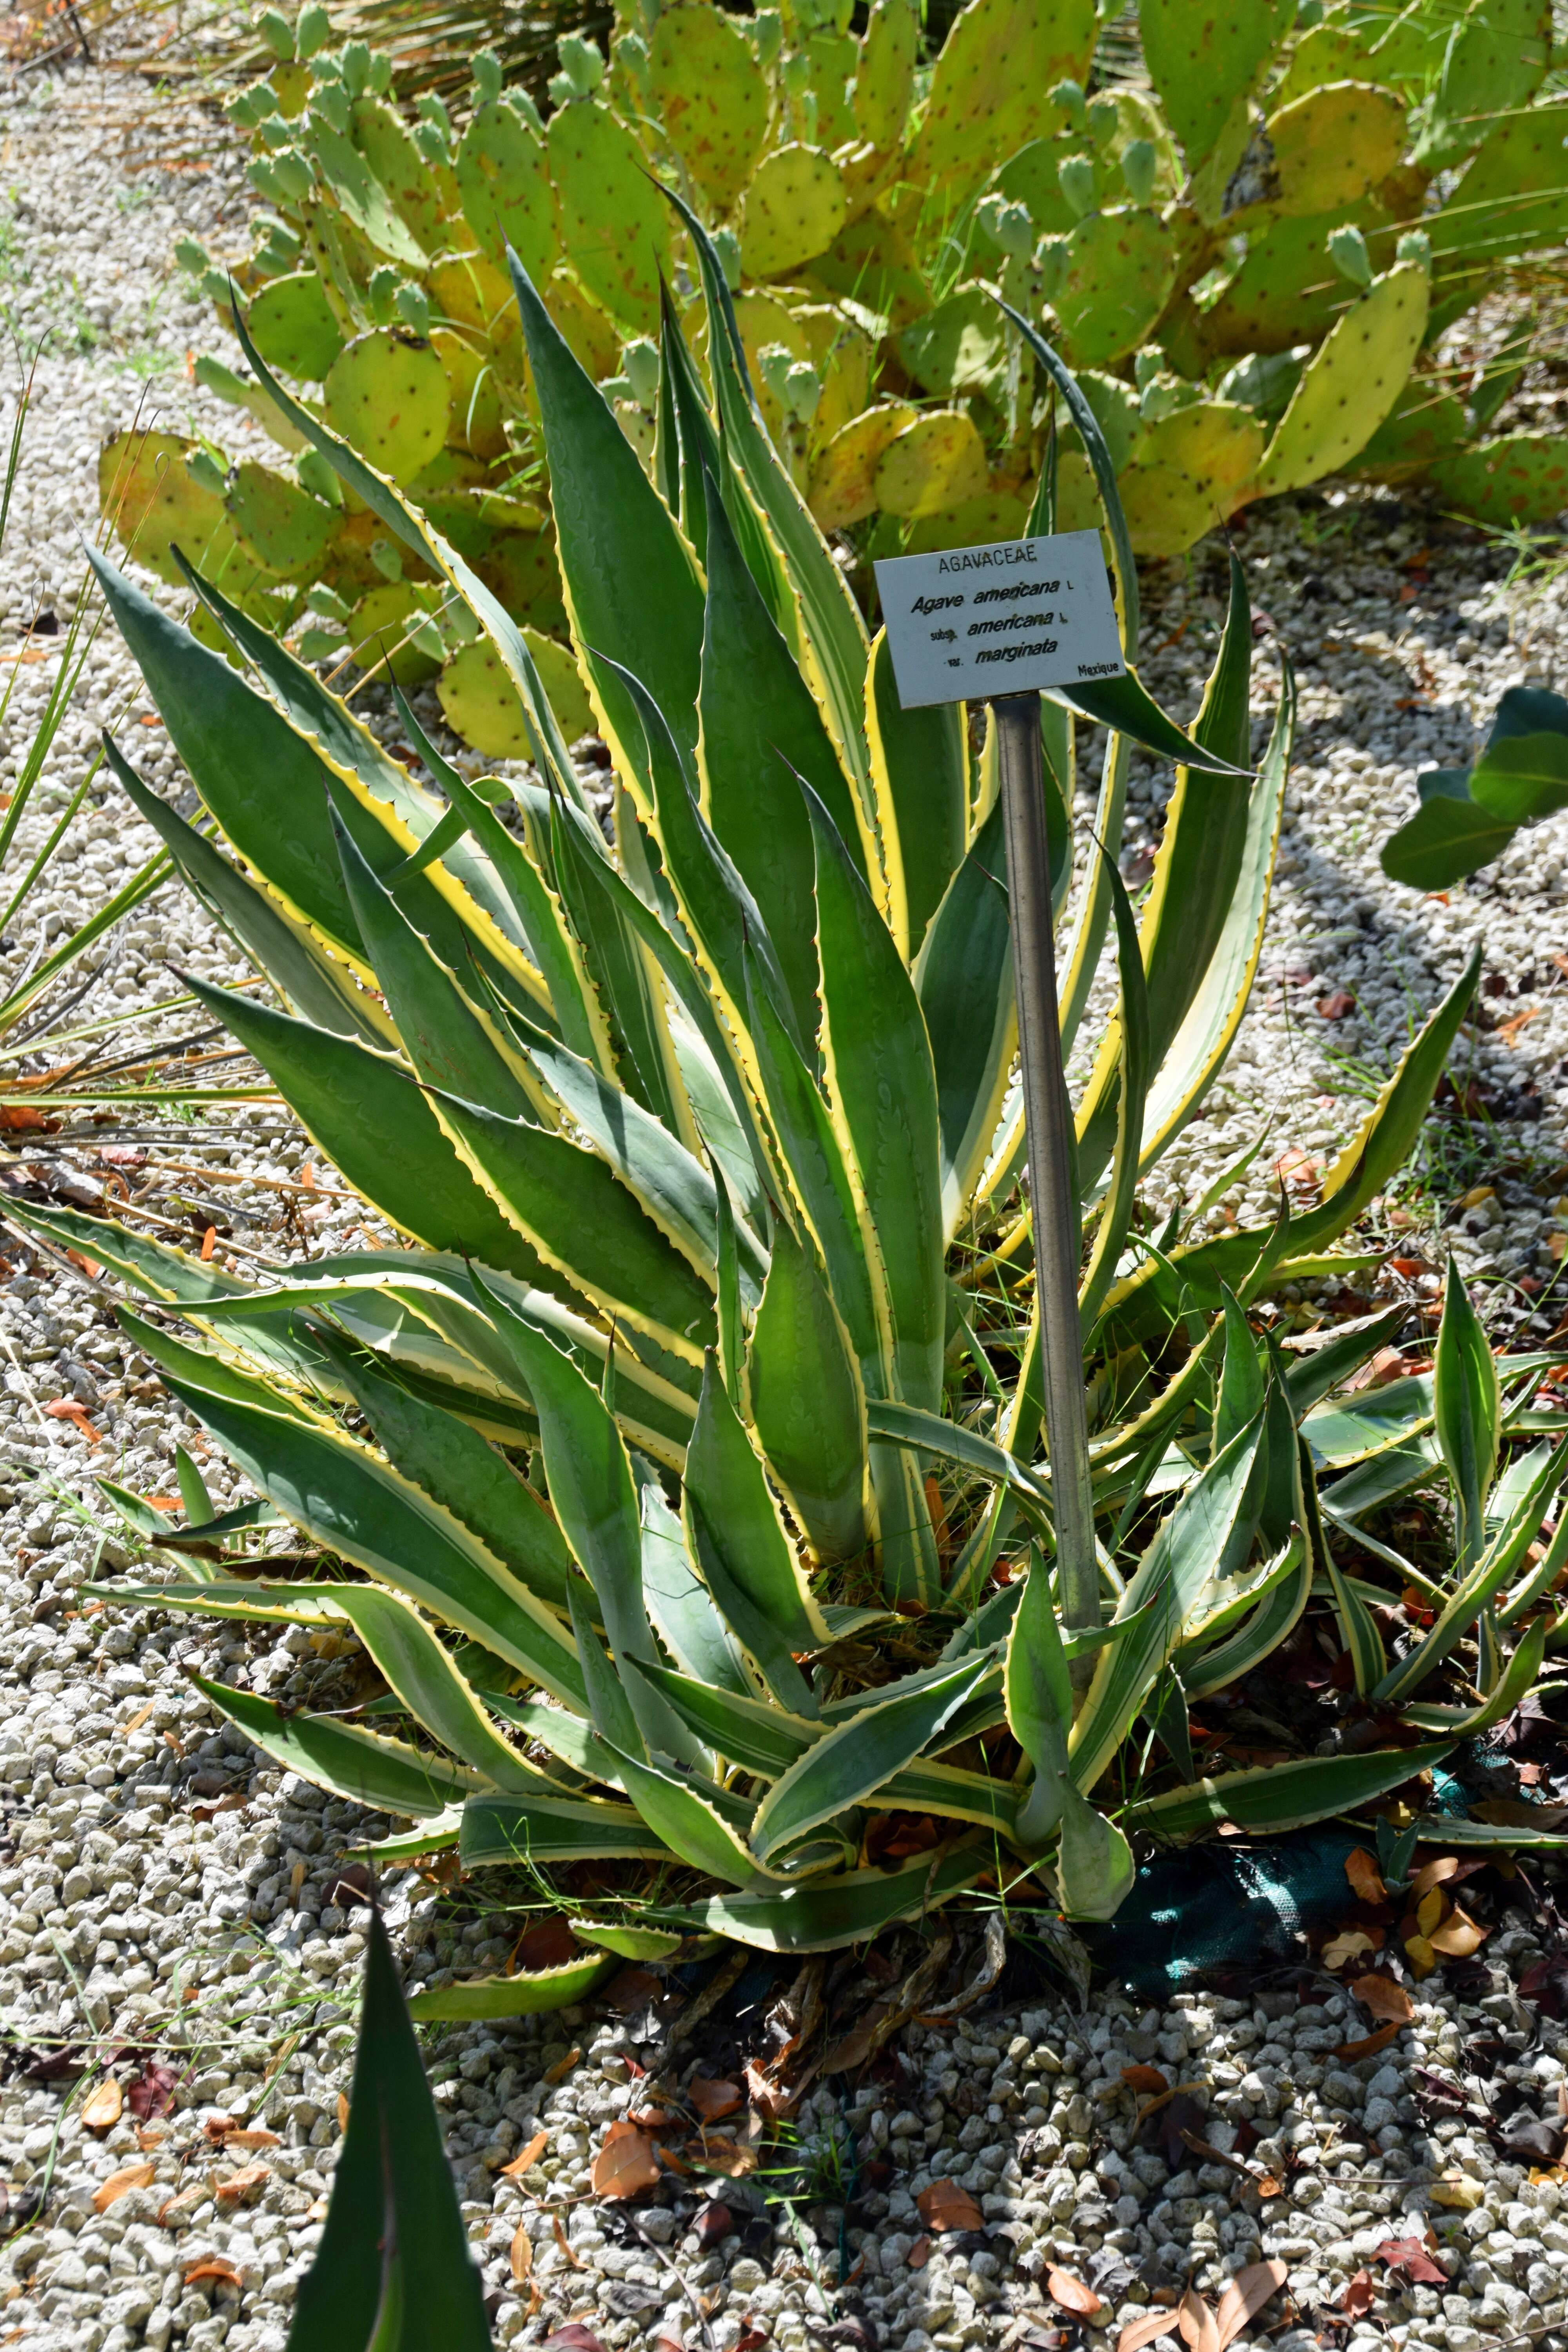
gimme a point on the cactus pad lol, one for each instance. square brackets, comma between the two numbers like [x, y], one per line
[843, 487]
[1521, 478]
[477, 423]
[377, 629]
[711, 95]
[423, 199]
[961, 346]
[1334, 145]
[1350, 384]
[885, 77]
[792, 211]
[1204, 54]
[614, 223]
[386, 393]
[1426, 423]
[988, 91]
[1513, 197]
[291, 325]
[1121, 269]
[1001, 512]
[282, 527]
[504, 182]
[937, 461]
[1193, 466]
[1287, 292]
[480, 702]
[148, 493]
[872, 261]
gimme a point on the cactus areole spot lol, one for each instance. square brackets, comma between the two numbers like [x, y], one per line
[971, 622]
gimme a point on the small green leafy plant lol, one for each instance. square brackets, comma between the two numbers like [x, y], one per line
[1468, 816]
[704, 1151]
[1242, 255]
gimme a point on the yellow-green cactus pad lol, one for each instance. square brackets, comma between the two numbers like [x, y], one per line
[1203, 57]
[792, 211]
[362, 200]
[885, 77]
[481, 704]
[711, 96]
[386, 393]
[998, 513]
[1077, 498]
[1122, 266]
[614, 223]
[424, 198]
[871, 261]
[834, 59]
[844, 356]
[961, 346]
[1426, 423]
[589, 332]
[1334, 145]
[504, 181]
[843, 487]
[1493, 65]
[1521, 478]
[937, 461]
[476, 417]
[147, 493]
[282, 527]
[989, 89]
[1193, 466]
[1513, 198]
[519, 567]
[471, 291]
[1032, 178]
[1287, 292]
[1402, 52]
[378, 630]
[1350, 384]
[291, 325]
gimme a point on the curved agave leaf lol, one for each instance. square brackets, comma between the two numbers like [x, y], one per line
[1513, 1686]
[364, 1767]
[742, 1533]
[1273, 1797]
[921, 782]
[531, 1992]
[806, 1402]
[1135, 1024]
[687, 1823]
[826, 1913]
[963, 977]
[535, 1829]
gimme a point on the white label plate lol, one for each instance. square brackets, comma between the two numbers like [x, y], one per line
[975, 621]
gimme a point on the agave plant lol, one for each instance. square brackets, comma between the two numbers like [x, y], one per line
[689, 1134]
[1247, 262]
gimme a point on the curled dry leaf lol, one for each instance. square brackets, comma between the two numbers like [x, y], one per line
[526, 2158]
[712, 2099]
[1423, 1960]
[1245, 2297]
[918, 2253]
[343, 2111]
[1147, 2081]
[1365, 1878]
[1146, 2331]
[1350, 1944]
[1369, 2046]
[1072, 2294]
[728, 2157]
[119, 2184]
[559, 2234]
[234, 2188]
[1197, 2325]
[1356, 2300]
[626, 2164]
[1457, 2192]
[572, 2337]
[224, 2272]
[176, 2208]
[562, 2067]
[945, 2206]
[714, 2224]
[522, 2253]
[250, 2140]
[102, 2109]
[1413, 2257]
[1383, 1998]
[1436, 1872]
[750, 2336]
[1459, 1935]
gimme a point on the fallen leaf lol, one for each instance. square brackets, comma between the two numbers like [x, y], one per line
[572, 2337]
[945, 2206]
[549, 1944]
[1457, 2192]
[146, 2138]
[1436, 1872]
[713, 2099]
[1347, 1945]
[1147, 2081]
[1072, 2294]
[297, 1878]
[153, 2093]
[749, 2336]
[234, 2188]
[119, 2184]
[1428, 1912]
[1336, 1005]
[1383, 1998]
[67, 1409]
[918, 2253]
[1356, 2300]
[1196, 2322]
[1245, 2297]
[251, 2141]
[667, 2343]
[224, 2273]
[176, 2207]
[1459, 1935]
[1413, 2257]
[714, 2224]
[102, 2110]
[526, 2158]
[522, 2253]
[770, 2099]
[559, 2236]
[343, 2111]
[656, 2120]
[1365, 1878]
[562, 2067]
[1132, 2338]
[729, 2158]
[134, 1722]
[1423, 1960]
[1372, 2044]
[626, 2164]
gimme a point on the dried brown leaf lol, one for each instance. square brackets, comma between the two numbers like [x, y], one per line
[1072, 2294]
[1369, 2046]
[1383, 1998]
[1147, 2081]
[526, 2158]
[212, 2268]
[1365, 1878]
[712, 2099]
[945, 2206]
[626, 2164]
[234, 2188]
[562, 2067]
[1196, 2322]
[1246, 2295]
[119, 2184]
[102, 2109]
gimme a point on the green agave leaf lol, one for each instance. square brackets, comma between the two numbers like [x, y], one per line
[152, 1268]
[680, 1604]
[529, 1993]
[901, 1424]
[1037, 1692]
[687, 1822]
[1357, 1627]
[1310, 1378]
[855, 1758]
[952, 1794]
[624, 975]
[1541, 1577]
[259, 1602]
[1274, 1797]
[726, 1488]
[963, 977]
[1517, 1680]
[365, 1768]
[567, 1737]
[524, 1829]
[1467, 1411]
[609, 1706]
[807, 1403]
[826, 1913]
[394, 2268]
[629, 1942]
[352, 1502]
[311, 983]
[752, 1732]
[1134, 1021]
[1095, 1869]
[921, 780]
[1276, 1616]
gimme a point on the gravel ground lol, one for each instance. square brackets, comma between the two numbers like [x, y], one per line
[178, 1914]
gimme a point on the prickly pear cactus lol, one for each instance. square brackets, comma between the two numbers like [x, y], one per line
[1225, 256]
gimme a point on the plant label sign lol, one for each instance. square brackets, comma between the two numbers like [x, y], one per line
[971, 622]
